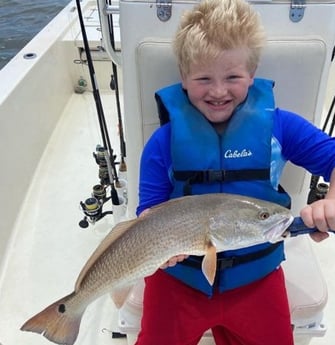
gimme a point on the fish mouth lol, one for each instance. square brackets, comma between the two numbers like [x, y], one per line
[275, 233]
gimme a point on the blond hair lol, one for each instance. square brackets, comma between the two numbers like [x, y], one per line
[217, 25]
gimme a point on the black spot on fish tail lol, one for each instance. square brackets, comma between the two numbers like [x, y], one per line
[58, 322]
[62, 308]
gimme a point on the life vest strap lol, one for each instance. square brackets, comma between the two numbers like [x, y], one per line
[213, 176]
[209, 176]
[223, 263]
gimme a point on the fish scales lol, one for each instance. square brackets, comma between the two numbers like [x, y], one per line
[135, 252]
[195, 225]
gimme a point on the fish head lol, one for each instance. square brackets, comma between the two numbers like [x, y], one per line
[245, 222]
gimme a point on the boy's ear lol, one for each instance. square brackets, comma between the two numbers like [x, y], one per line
[252, 76]
[183, 84]
[183, 77]
[253, 72]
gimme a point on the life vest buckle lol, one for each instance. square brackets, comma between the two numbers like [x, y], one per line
[223, 263]
[214, 176]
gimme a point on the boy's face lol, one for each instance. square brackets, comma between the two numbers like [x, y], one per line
[218, 86]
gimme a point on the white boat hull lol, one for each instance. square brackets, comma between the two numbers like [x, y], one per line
[48, 134]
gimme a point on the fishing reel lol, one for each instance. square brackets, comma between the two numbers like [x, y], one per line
[317, 192]
[92, 207]
[100, 159]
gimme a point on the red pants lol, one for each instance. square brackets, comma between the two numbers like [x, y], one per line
[255, 314]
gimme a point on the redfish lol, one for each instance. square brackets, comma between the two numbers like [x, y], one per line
[193, 225]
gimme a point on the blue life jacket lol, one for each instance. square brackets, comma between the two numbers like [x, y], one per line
[238, 161]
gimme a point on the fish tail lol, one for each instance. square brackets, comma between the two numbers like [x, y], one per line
[57, 322]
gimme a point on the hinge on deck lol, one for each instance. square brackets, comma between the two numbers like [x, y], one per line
[164, 9]
[297, 10]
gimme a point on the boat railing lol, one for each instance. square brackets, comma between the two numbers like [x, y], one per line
[106, 11]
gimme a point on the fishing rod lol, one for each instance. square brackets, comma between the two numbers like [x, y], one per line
[319, 190]
[104, 156]
[115, 86]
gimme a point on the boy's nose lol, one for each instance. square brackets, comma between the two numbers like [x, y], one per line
[219, 90]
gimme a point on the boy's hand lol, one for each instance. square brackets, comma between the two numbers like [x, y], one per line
[174, 260]
[320, 214]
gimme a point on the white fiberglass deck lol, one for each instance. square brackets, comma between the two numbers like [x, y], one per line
[49, 248]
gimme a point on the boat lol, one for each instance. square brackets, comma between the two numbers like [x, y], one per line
[51, 137]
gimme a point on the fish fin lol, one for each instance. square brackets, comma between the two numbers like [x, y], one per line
[119, 296]
[163, 205]
[208, 265]
[112, 236]
[56, 323]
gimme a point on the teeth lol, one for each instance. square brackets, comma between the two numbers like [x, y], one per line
[217, 103]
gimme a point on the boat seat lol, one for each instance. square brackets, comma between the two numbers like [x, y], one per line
[297, 57]
[157, 68]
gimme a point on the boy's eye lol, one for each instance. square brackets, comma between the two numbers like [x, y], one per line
[202, 79]
[233, 77]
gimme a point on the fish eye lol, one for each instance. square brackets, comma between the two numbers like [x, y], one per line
[263, 214]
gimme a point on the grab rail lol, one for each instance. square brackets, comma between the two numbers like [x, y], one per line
[106, 10]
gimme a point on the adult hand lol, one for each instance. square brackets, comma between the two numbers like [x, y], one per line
[320, 214]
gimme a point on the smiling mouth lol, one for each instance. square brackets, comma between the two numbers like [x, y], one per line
[219, 104]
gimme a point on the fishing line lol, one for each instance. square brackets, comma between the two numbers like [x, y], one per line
[110, 160]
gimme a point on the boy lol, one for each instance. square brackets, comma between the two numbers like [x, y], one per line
[224, 134]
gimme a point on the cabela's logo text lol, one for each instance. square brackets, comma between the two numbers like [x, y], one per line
[237, 153]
